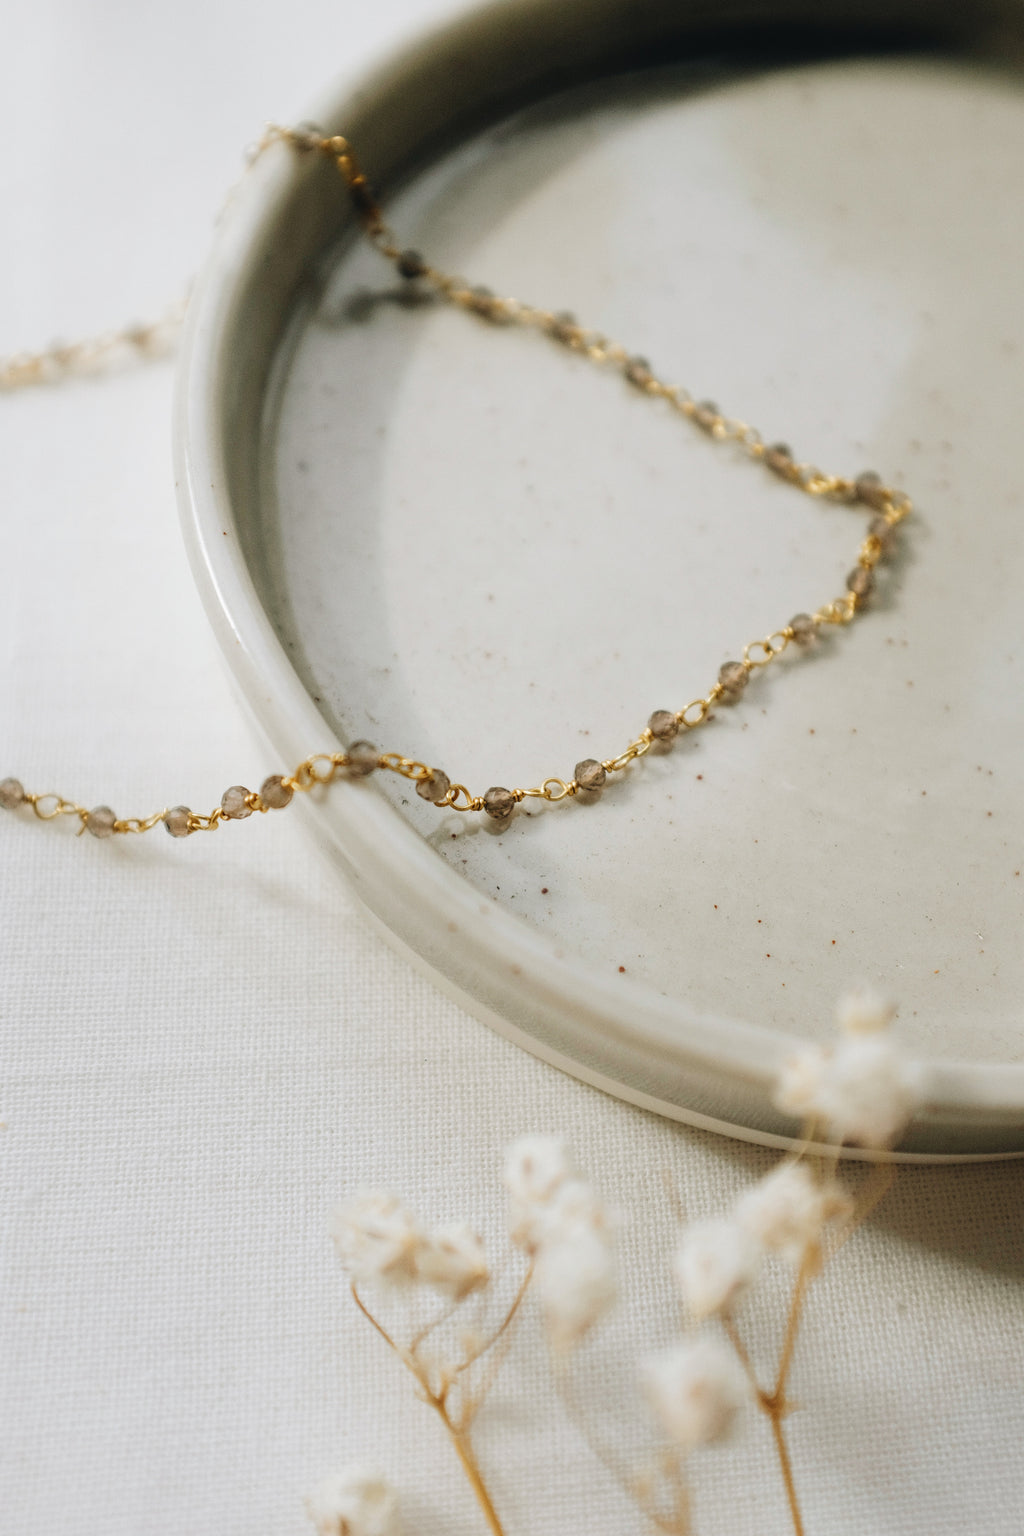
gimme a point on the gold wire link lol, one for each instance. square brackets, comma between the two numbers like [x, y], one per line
[637, 748]
[553, 789]
[198, 823]
[309, 773]
[468, 803]
[140, 824]
[60, 807]
[408, 767]
[841, 611]
[703, 708]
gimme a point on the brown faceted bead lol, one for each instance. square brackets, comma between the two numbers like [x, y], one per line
[434, 788]
[410, 264]
[100, 821]
[881, 529]
[499, 803]
[733, 677]
[871, 489]
[706, 414]
[779, 459]
[363, 758]
[861, 582]
[363, 198]
[275, 793]
[663, 725]
[638, 372]
[564, 328]
[234, 803]
[177, 819]
[483, 302]
[590, 774]
[804, 628]
[12, 794]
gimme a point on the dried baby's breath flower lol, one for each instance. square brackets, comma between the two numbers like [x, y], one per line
[358, 1501]
[864, 1012]
[695, 1389]
[801, 1083]
[452, 1258]
[577, 1283]
[377, 1237]
[864, 1091]
[873, 1092]
[789, 1209]
[575, 1204]
[535, 1168]
[715, 1263]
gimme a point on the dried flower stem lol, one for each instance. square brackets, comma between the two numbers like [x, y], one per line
[470, 1465]
[787, 1472]
[774, 1404]
[457, 1425]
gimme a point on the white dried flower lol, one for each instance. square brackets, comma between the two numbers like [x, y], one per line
[715, 1263]
[535, 1168]
[452, 1258]
[873, 1092]
[358, 1501]
[577, 1283]
[377, 1237]
[864, 1012]
[789, 1209]
[864, 1091]
[800, 1085]
[695, 1389]
[574, 1205]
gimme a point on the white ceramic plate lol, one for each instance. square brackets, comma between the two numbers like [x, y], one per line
[469, 546]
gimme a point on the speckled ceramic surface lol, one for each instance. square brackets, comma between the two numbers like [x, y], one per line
[469, 546]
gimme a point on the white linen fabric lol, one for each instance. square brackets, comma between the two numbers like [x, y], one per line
[204, 1044]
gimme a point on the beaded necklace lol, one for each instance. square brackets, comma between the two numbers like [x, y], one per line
[590, 776]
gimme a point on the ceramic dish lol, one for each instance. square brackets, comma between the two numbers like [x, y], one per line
[464, 544]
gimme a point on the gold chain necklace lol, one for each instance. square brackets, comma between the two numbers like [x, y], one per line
[888, 505]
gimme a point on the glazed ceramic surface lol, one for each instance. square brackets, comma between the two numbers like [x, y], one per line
[469, 546]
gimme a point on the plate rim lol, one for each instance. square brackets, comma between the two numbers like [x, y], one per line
[965, 1100]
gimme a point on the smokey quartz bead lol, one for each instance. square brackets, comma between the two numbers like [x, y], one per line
[871, 489]
[100, 821]
[589, 774]
[706, 414]
[234, 803]
[638, 372]
[12, 794]
[275, 793]
[177, 819]
[861, 582]
[363, 758]
[779, 459]
[410, 264]
[733, 677]
[564, 328]
[803, 628]
[435, 787]
[499, 803]
[663, 725]
[881, 529]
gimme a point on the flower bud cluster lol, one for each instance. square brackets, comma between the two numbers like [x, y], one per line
[557, 1218]
[380, 1240]
[862, 1091]
[357, 1501]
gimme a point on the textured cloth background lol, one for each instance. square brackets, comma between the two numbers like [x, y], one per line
[204, 1045]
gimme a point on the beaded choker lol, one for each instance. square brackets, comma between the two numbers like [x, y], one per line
[888, 506]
